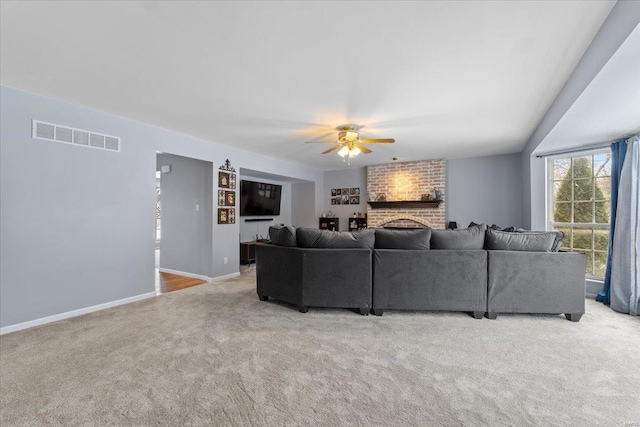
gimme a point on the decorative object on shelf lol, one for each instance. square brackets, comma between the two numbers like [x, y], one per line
[437, 194]
[226, 180]
[357, 223]
[372, 196]
[329, 223]
[425, 197]
[381, 197]
[452, 225]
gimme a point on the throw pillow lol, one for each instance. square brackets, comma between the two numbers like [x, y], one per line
[468, 238]
[557, 244]
[314, 238]
[282, 236]
[403, 239]
[526, 241]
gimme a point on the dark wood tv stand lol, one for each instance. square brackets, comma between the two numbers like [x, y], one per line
[248, 251]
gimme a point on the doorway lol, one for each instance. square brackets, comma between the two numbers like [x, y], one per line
[183, 219]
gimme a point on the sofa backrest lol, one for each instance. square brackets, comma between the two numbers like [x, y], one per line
[522, 241]
[468, 238]
[413, 239]
[314, 238]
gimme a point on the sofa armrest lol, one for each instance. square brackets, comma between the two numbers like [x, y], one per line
[536, 282]
[315, 277]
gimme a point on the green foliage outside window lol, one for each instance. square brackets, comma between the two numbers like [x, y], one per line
[581, 195]
[585, 195]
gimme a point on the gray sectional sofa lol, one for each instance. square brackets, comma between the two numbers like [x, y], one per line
[474, 270]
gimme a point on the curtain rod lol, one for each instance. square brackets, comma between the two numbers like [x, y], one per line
[578, 149]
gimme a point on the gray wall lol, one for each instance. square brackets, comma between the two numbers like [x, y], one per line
[485, 190]
[622, 20]
[186, 215]
[302, 205]
[248, 230]
[345, 178]
[77, 224]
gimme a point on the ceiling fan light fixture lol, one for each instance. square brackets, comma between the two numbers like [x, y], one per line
[350, 152]
[348, 135]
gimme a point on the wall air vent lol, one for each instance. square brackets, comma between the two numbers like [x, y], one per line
[68, 135]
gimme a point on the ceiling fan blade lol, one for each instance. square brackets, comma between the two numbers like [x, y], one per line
[319, 142]
[362, 148]
[378, 141]
[335, 147]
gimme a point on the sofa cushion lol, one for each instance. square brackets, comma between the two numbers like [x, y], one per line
[468, 238]
[403, 239]
[282, 236]
[557, 244]
[314, 238]
[525, 241]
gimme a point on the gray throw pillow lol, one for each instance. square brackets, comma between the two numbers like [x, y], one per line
[468, 238]
[557, 244]
[403, 239]
[525, 241]
[282, 236]
[314, 238]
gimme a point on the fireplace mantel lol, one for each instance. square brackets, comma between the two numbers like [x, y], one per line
[407, 204]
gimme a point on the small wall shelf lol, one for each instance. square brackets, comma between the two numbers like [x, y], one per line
[407, 204]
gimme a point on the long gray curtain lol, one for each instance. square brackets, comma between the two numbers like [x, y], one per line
[625, 272]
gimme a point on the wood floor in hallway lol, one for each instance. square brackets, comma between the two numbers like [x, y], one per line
[172, 282]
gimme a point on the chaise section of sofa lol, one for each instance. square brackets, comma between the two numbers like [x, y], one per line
[536, 282]
[443, 280]
[325, 275]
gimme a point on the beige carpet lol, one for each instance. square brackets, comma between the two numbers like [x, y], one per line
[215, 355]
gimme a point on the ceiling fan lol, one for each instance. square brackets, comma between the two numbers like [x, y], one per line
[349, 143]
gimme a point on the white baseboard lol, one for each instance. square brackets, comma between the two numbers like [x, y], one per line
[73, 313]
[185, 274]
[225, 277]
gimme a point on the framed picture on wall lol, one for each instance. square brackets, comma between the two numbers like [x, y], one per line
[224, 180]
[223, 216]
[354, 200]
[344, 199]
[334, 192]
[229, 198]
[220, 197]
[232, 180]
[354, 191]
[232, 216]
[345, 191]
[338, 192]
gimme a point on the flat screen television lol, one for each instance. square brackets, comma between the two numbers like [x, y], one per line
[259, 198]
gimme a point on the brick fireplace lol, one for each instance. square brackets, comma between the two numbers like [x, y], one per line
[403, 182]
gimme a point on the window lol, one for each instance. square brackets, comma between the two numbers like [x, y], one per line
[580, 205]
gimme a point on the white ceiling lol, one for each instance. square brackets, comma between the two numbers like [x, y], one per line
[445, 79]
[609, 108]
